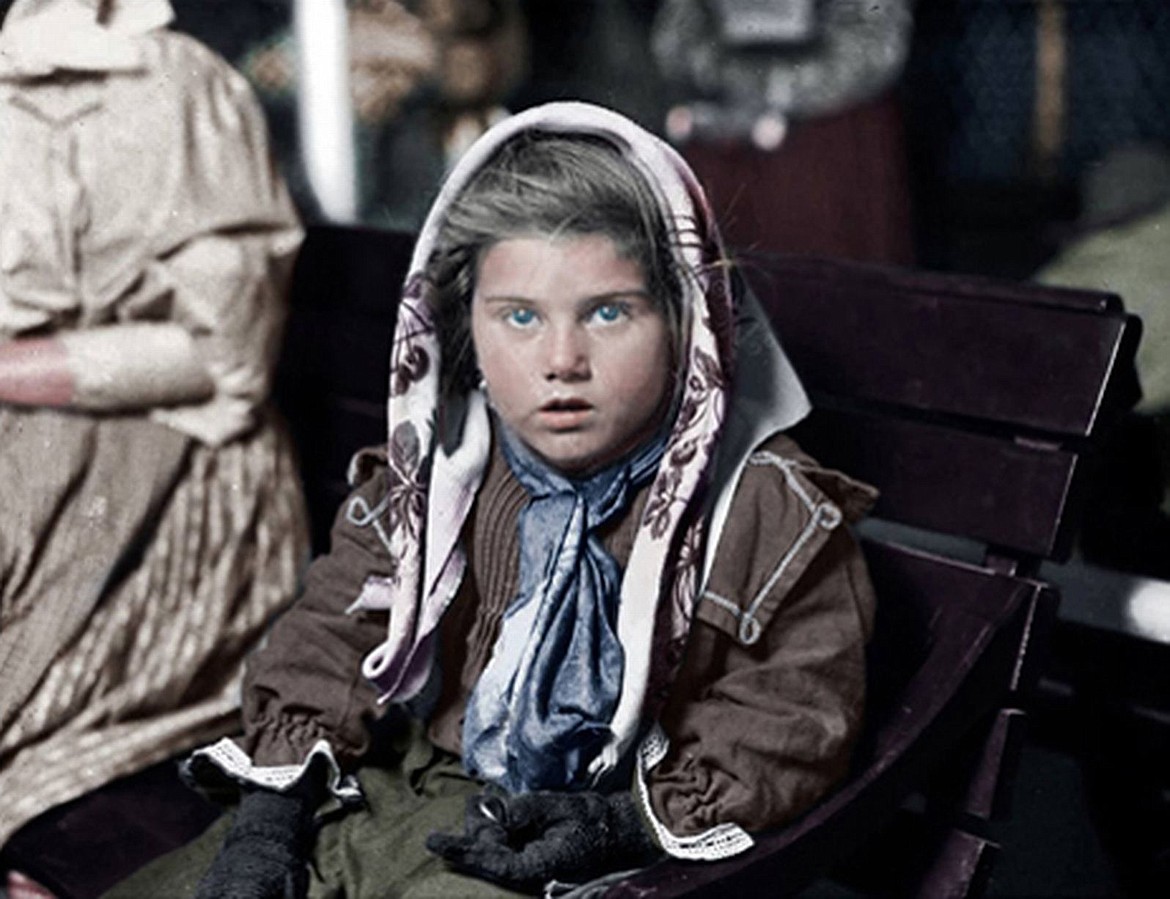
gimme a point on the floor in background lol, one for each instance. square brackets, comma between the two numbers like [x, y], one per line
[1050, 849]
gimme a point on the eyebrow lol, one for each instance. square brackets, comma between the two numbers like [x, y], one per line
[592, 299]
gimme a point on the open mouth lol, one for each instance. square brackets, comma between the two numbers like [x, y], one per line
[566, 413]
[569, 404]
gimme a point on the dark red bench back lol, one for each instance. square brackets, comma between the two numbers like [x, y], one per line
[969, 402]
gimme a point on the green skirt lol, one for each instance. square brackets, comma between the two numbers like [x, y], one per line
[375, 852]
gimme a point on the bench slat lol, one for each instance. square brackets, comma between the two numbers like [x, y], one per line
[903, 280]
[1040, 367]
[934, 477]
[339, 353]
[333, 377]
[328, 430]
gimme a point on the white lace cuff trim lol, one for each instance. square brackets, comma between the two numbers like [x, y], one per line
[721, 841]
[232, 761]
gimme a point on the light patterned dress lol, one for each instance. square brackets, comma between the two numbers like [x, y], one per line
[146, 538]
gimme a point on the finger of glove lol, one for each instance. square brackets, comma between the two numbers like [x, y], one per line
[450, 846]
[544, 808]
[498, 863]
[533, 863]
[628, 832]
[237, 888]
[492, 806]
[490, 862]
[217, 885]
[488, 835]
[525, 813]
[557, 852]
[537, 862]
[528, 813]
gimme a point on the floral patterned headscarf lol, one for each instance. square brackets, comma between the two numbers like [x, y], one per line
[436, 470]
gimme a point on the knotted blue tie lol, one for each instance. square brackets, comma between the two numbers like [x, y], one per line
[541, 709]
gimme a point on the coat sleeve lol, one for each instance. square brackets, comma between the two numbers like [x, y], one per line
[305, 684]
[768, 704]
[304, 694]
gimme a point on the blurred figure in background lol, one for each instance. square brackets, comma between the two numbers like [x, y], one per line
[788, 118]
[426, 78]
[152, 520]
[428, 75]
[1119, 244]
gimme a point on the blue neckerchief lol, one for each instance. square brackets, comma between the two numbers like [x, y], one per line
[541, 709]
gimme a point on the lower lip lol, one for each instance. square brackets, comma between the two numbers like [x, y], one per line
[560, 419]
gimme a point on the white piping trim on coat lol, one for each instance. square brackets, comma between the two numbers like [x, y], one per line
[359, 513]
[821, 515]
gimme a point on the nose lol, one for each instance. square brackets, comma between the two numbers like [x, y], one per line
[566, 354]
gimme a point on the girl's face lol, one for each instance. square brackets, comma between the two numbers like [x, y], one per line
[575, 352]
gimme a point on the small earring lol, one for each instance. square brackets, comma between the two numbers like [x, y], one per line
[482, 387]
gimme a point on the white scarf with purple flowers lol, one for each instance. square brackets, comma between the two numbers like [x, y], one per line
[438, 455]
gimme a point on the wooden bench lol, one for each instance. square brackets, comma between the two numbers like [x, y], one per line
[974, 406]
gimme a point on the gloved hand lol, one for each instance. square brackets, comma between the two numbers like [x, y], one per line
[265, 853]
[528, 839]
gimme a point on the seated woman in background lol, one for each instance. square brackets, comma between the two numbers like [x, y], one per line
[151, 521]
[589, 604]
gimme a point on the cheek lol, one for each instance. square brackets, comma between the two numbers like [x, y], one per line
[642, 374]
[503, 368]
[502, 374]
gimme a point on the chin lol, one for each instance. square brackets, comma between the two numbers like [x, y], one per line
[571, 465]
[570, 461]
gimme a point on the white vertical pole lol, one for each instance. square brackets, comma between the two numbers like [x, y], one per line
[324, 106]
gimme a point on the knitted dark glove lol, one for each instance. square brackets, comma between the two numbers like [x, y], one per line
[526, 840]
[265, 853]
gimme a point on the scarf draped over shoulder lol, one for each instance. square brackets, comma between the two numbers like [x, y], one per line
[438, 452]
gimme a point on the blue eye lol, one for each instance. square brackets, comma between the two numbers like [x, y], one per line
[521, 317]
[609, 312]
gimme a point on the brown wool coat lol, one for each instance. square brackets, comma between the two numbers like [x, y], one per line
[761, 718]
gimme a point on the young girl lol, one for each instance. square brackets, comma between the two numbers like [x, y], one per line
[589, 605]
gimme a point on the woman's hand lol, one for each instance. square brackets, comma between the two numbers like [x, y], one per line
[531, 838]
[265, 853]
[34, 371]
